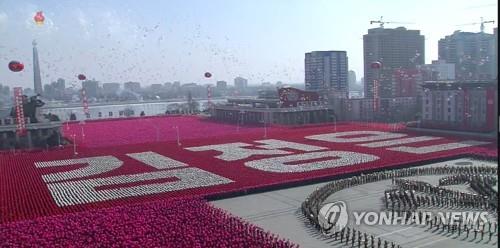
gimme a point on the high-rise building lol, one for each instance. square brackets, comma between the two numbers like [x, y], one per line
[91, 88]
[472, 53]
[37, 79]
[55, 90]
[156, 88]
[221, 85]
[48, 91]
[110, 89]
[240, 83]
[59, 88]
[397, 48]
[351, 79]
[326, 72]
[132, 86]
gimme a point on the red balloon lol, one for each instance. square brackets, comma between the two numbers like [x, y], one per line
[16, 66]
[376, 65]
[81, 77]
[39, 18]
[208, 74]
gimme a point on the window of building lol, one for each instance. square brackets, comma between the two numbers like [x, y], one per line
[449, 110]
[99, 114]
[110, 114]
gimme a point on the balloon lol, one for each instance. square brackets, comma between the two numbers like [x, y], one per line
[16, 66]
[376, 65]
[39, 18]
[81, 77]
[208, 74]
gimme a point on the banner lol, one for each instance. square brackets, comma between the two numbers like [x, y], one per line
[490, 109]
[466, 114]
[375, 96]
[290, 97]
[209, 96]
[85, 102]
[21, 123]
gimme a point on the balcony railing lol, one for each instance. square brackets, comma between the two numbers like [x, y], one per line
[10, 124]
[291, 109]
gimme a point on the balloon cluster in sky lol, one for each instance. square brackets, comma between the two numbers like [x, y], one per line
[122, 50]
[15, 65]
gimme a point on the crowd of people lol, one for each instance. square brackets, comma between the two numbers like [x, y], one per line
[463, 227]
[405, 196]
[192, 223]
[25, 205]
[355, 238]
[150, 129]
[406, 200]
[410, 195]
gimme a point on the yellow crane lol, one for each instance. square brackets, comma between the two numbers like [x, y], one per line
[475, 23]
[381, 22]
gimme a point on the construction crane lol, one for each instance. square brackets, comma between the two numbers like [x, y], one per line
[475, 23]
[381, 23]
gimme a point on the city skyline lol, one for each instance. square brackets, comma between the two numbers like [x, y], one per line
[181, 41]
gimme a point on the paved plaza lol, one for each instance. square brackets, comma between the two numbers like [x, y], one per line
[279, 212]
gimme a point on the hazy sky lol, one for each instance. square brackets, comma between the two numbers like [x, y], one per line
[160, 41]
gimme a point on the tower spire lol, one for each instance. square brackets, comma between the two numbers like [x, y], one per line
[37, 79]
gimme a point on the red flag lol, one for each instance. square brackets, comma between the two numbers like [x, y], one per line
[21, 124]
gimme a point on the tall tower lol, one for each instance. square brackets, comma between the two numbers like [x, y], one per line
[36, 70]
